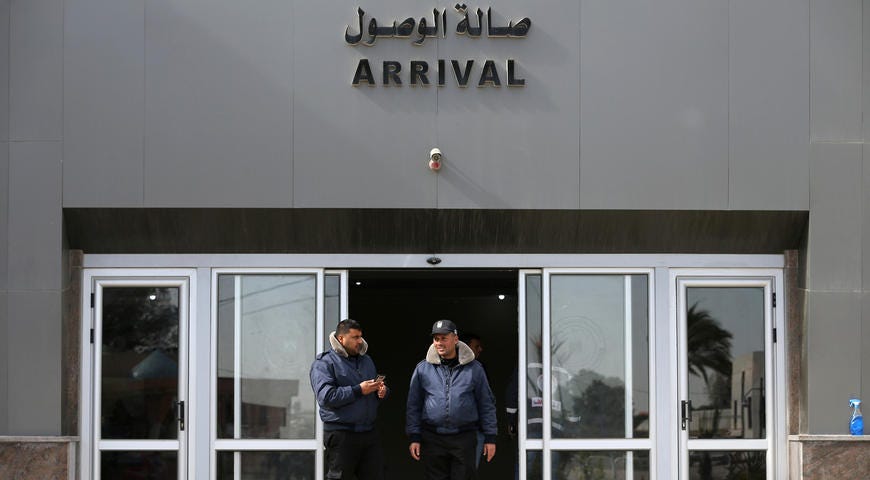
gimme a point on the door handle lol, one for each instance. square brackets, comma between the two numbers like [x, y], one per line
[685, 413]
[181, 415]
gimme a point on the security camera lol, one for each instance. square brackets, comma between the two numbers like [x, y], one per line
[435, 159]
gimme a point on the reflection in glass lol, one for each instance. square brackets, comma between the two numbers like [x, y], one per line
[331, 305]
[266, 340]
[139, 375]
[266, 465]
[600, 356]
[583, 465]
[725, 359]
[534, 359]
[534, 470]
[133, 465]
[731, 465]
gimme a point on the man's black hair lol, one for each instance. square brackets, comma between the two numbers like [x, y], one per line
[468, 336]
[347, 325]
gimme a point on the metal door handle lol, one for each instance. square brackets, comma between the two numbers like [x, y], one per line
[181, 415]
[685, 410]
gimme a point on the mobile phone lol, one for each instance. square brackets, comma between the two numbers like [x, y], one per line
[380, 378]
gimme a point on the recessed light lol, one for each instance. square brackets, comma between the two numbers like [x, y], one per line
[358, 283]
[501, 296]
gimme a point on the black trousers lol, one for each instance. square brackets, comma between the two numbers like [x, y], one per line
[448, 457]
[356, 455]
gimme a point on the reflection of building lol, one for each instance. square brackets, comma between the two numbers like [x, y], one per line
[267, 409]
[744, 416]
[747, 396]
[139, 391]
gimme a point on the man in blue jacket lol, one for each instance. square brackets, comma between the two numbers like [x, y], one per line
[348, 390]
[449, 401]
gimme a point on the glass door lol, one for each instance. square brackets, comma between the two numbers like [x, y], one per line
[725, 358]
[267, 328]
[139, 337]
[585, 339]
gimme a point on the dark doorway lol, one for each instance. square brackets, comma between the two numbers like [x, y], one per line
[397, 308]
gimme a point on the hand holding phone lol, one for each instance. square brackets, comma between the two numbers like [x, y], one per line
[382, 387]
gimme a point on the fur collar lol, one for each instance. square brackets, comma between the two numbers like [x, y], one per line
[336, 345]
[466, 355]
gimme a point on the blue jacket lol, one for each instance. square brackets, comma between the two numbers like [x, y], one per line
[448, 400]
[335, 379]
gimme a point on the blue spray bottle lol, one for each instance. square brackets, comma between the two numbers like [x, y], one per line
[856, 425]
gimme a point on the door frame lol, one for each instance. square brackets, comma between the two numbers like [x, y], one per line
[262, 445]
[546, 444]
[772, 281]
[201, 266]
[93, 280]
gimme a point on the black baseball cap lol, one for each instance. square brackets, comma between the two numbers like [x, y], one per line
[444, 326]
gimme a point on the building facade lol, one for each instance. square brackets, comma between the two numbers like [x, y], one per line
[654, 214]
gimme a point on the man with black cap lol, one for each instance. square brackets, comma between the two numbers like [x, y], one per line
[449, 401]
[348, 390]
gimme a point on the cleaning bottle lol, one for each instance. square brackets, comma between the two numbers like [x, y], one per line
[856, 425]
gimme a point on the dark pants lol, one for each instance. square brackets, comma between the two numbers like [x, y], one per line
[448, 457]
[353, 455]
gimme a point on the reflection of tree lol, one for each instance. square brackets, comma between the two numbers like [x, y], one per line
[139, 377]
[720, 391]
[708, 352]
[708, 345]
[133, 321]
[747, 466]
[599, 402]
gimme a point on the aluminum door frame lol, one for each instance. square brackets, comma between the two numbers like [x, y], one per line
[665, 299]
[774, 313]
[93, 281]
[263, 445]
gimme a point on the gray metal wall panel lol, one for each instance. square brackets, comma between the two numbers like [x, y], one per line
[4, 69]
[4, 365]
[834, 239]
[864, 393]
[768, 105]
[104, 102]
[835, 84]
[34, 216]
[515, 147]
[217, 89]
[4, 215]
[865, 62]
[865, 273]
[365, 146]
[218, 132]
[833, 359]
[865, 217]
[34, 363]
[36, 70]
[654, 105]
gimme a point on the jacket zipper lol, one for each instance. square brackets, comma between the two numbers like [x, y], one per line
[448, 383]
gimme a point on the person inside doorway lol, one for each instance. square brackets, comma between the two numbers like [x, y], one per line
[475, 343]
[449, 400]
[349, 390]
